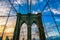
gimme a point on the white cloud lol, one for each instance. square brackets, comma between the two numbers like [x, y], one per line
[55, 11]
[4, 8]
[50, 30]
[25, 1]
[41, 0]
[53, 34]
[34, 12]
[46, 10]
[20, 1]
[34, 2]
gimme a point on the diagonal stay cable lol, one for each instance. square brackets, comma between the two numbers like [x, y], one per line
[53, 18]
[21, 7]
[12, 6]
[28, 7]
[47, 4]
[6, 23]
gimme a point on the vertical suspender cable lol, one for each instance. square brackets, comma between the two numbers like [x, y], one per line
[29, 3]
[27, 6]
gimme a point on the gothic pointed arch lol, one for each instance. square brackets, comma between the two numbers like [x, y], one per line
[34, 32]
[23, 32]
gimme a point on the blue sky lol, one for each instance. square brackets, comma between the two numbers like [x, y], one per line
[49, 21]
[37, 6]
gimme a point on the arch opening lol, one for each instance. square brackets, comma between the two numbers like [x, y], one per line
[34, 32]
[23, 32]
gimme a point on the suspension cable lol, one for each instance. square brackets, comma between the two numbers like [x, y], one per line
[44, 15]
[12, 5]
[30, 6]
[47, 4]
[21, 7]
[6, 23]
[53, 18]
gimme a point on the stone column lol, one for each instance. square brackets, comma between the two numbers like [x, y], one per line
[29, 33]
[40, 27]
[17, 28]
[29, 27]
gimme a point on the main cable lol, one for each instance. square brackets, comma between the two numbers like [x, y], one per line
[6, 23]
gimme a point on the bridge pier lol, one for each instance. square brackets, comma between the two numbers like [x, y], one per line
[29, 19]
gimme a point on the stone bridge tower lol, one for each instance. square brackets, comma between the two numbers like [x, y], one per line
[29, 19]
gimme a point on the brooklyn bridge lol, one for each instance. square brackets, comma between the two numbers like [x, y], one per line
[29, 20]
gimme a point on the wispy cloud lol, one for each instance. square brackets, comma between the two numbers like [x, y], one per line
[47, 10]
[50, 29]
[53, 34]
[2, 20]
[55, 11]
[4, 9]
[34, 2]
[20, 1]
[25, 1]
[34, 12]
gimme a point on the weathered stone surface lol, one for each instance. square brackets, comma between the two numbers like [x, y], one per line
[29, 19]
